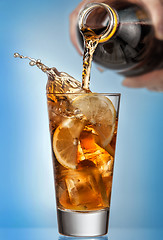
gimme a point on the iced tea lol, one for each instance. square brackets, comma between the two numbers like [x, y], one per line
[83, 128]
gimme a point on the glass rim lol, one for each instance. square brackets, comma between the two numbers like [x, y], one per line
[81, 93]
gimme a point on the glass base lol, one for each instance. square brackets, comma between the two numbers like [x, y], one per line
[83, 224]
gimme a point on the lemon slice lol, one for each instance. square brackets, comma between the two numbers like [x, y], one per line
[65, 142]
[100, 113]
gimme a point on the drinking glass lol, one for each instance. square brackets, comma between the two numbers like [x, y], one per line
[83, 129]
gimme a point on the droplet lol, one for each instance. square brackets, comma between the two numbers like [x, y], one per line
[16, 55]
[32, 63]
[44, 69]
[39, 66]
[76, 111]
[75, 141]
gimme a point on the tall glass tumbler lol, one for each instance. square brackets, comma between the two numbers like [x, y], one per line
[83, 129]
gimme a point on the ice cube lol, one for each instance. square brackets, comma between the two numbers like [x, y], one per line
[102, 160]
[92, 151]
[83, 188]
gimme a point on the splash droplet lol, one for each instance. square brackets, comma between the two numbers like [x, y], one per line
[32, 63]
[16, 55]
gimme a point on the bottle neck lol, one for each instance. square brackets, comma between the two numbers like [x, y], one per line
[100, 19]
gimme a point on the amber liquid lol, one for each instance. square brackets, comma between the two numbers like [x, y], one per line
[88, 187]
[90, 45]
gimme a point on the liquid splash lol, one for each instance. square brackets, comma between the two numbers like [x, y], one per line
[38, 63]
[58, 82]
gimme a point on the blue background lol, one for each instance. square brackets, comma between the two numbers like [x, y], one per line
[40, 29]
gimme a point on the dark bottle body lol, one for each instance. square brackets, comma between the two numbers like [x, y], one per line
[133, 49]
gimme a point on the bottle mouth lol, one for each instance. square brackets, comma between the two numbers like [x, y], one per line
[98, 20]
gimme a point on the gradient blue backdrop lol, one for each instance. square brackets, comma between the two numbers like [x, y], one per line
[40, 29]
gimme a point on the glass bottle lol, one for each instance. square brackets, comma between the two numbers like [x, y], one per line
[127, 42]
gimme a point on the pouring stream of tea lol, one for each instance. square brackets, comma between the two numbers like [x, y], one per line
[90, 44]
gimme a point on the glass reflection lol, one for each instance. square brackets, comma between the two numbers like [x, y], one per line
[82, 238]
